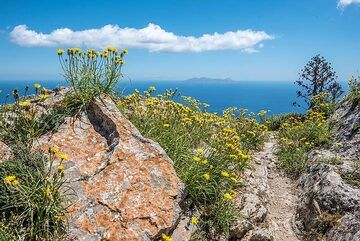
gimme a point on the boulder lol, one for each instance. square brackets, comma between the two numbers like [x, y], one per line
[125, 185]
[347, 228]
[325, 199]
[346, 121]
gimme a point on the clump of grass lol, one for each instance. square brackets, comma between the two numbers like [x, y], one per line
[32, 196]
[92, 73]
[332, 160]
[354, 92]
[209, 151]
[353, 177]
[298, 136]
[274, 122]
[26, 119]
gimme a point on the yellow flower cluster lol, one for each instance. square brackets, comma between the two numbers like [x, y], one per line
[108, 53]
[164, 237]
[11, 180]
[228, 139]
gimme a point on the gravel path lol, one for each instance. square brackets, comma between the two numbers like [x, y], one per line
[277, 192]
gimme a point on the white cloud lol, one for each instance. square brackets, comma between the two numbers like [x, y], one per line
[345, 3]
[152, 37]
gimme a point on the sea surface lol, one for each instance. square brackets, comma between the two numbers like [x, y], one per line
[274, 96]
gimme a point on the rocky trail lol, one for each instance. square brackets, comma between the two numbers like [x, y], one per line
[269, 200]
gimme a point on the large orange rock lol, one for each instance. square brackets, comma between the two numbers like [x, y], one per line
[126, 186]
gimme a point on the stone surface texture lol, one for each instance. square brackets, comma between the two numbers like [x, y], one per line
[327, 200]
[5, 152]
[126, 187]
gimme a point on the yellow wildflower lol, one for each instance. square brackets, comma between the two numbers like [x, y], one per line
[233, 179]
[61, 168]
[166, 125]
[227, 196]
[54, 150]
[194, 220]
[165, 237]
[197, 159]
[43, 96]
[124, 51]
[200, 151]
[233, 192]
[206, 176]
[225, 174]
[15, 182]
[63, 156]
[24, 103]
[9, 179]
[37, 86]
[60, 51]
[120, 61]
[47, 192]
[205, 161]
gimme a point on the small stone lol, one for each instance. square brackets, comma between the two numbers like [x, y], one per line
[240, 229]
[260, 214]
[260, 235]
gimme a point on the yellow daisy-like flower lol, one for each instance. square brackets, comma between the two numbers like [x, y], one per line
[47, 192]
[225, 174]
[200, 151]
[9, 179]
[165, 237]
[124, 51]
[61, 168]
[60, 51]
[206, 176]
[120, 61]
[166, 125]
[15, 182]
[233, 179]
[205, 161]
[233, 192]
[63, 156]
[37, 86]
[227, 196]
[54, 150]
[43, 96]
[197, 159]
[194, 220]
[24, 103]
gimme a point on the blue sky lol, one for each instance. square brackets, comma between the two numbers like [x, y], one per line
[256, 40]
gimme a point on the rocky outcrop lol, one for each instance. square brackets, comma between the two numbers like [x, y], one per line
[347, 129]
[125, 185]
[329, 205]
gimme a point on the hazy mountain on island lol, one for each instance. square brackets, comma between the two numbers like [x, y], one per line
[209, 80]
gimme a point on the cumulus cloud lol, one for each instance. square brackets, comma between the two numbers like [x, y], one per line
[152, 37]
[345, 3]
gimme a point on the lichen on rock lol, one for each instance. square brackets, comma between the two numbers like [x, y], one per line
[126, 186]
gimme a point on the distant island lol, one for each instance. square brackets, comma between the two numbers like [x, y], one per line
[209, 80]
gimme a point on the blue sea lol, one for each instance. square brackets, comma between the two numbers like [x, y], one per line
[274, 96]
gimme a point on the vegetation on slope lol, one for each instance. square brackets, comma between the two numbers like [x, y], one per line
[209, 151]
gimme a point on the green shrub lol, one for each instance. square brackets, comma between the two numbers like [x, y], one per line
[297, 136]
[209, 151]
[354, 92]
[31, 204]
[274, 122]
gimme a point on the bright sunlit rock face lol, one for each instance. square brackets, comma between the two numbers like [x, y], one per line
[126, 186]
